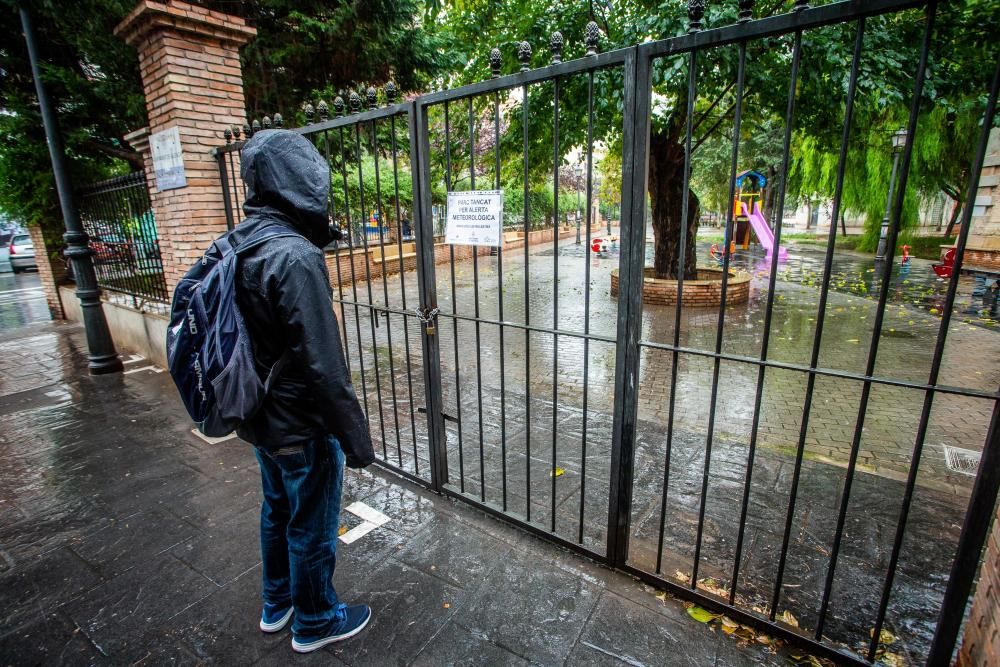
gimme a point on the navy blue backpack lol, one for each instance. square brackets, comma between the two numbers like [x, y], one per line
[209, 352]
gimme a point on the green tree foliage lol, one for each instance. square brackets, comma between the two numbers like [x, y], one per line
[950, 116]
[93, 79]
[303, 50]
[951, 108]
[310, 48]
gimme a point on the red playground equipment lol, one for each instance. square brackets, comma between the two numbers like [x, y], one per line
[603, 244]
[945, 268]
[748, 221]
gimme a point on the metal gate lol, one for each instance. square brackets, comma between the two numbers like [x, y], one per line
[531, 381]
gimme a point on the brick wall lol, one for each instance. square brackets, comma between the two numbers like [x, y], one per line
[190, 67]
[705, 291]
[51, 272]
[981, 645]
[339, 263]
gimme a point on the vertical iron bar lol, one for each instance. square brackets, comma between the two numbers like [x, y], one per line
[975, 532]
[821, 311]
[635, 165]
[984, 491]
[402, 290]
[236, 185]
[555, 290]
[372, 313]
[114, 204]
[354, 277]
[500, 288]
[904, 172]
[385, 294]
[454, 308]
[227, 203]
[140, 241]
[586, 298]
[340, 280]
[769, 307]
[527, 313]
[420, 151]
[675, 356]
[726, 259]
[475, 292]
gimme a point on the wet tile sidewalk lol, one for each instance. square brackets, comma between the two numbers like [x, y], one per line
[124, 539]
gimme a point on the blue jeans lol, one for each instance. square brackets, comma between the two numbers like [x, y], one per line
[299, 519]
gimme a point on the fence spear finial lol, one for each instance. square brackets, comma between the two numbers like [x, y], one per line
[556, 44]
[279, 122]
[255, 126]
[355, 101]
[338, 106]
[323, 109]
[524, 55]
[310, 111]
[696, 12]
[592, 37]
[372, 96]
[496, 60]
[236, 132]
[746, 10]
[227, 134]
[247, 130]
[390, 92]
[266, 122]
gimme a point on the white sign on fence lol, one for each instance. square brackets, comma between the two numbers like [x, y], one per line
[475, 217]
[168, 161]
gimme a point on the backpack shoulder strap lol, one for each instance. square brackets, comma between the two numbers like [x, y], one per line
[253, 241]
[258, 238]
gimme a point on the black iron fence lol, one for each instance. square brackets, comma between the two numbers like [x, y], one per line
[118, 218]
[510, 378]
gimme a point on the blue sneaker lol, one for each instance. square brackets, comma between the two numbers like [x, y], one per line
[276, 621]
[355, 618]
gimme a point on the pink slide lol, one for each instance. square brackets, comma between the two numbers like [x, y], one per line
[763, 232]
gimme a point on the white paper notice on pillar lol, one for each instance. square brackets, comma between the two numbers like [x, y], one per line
[475, 217]
[168, 160]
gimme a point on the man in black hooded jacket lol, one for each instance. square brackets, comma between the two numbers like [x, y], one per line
[310, 423]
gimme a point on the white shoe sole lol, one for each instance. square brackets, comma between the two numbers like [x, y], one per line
[277, 625]
[320, 643]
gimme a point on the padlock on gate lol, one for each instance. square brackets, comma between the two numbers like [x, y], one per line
[428, 316]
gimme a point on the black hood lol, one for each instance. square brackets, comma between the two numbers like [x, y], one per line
[287, 178]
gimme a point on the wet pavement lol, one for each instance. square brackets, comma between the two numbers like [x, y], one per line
[22, 301]
[125, 539]
[536, 464]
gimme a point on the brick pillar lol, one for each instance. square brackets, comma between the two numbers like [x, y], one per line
[51, 270]
[190, 66]
[981, 642]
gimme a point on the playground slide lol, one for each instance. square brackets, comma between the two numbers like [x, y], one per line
[763, 232]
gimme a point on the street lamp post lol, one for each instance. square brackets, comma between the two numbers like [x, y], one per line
[579, 172]
[101, 353]
[898, 141]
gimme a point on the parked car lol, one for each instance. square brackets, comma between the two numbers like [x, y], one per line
[111, 247]
[22, 253]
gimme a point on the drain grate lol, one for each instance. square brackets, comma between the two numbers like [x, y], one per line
[960, 460]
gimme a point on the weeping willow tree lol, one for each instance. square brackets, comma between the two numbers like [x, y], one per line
[949, 119]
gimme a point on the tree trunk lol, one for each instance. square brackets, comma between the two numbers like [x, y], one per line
[770, 194]
[956, 211]
[666, 192]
